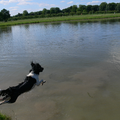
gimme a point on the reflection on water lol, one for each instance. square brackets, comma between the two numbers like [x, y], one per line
[82, 65]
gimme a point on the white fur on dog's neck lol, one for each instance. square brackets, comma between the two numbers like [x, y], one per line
[35, 76]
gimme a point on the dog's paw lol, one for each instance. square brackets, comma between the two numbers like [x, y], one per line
[42, 82]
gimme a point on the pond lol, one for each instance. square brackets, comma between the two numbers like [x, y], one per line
[81, 66]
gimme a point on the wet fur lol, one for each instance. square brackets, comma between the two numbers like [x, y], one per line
[15, 91]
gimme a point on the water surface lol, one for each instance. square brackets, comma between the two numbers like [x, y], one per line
[82, 66]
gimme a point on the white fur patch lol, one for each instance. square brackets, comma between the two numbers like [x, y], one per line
[35, 76]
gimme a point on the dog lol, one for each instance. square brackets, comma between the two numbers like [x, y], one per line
[11, 94]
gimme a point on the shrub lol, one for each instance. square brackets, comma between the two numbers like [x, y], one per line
[100, 12]
[91, 12]
[72, 13]
[110, 11]
[4, 117]
[78, 12]
[84, 13]
[48, 15]
[65, 14]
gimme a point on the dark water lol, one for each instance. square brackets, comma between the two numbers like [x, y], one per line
[82, 70]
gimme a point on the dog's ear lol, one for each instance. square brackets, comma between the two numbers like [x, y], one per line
[32, 64]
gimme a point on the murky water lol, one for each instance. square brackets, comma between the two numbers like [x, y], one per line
[82, 69]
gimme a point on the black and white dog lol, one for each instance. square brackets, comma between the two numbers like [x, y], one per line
[11, 94]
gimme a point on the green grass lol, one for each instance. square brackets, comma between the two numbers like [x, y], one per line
[63, 18]
[4, 117]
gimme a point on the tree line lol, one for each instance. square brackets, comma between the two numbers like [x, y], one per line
[72, 10]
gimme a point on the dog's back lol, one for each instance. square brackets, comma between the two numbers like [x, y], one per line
[30, 80]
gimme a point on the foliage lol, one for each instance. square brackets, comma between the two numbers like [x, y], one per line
[103, 8]
[0, 16]
[111, 6]
[25, 13]
[89, 8]
[44, 12]
[4, 15]
[78, 13]
[118, 7]
[54, 10]
[82, 7]
[4, 117]
[74, 8]
[95, 7]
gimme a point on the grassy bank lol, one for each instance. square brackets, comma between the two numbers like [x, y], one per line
[4, 117]
[63, 18]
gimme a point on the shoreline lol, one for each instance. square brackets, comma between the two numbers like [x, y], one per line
[81, 18]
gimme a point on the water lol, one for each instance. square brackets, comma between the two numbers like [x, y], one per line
[82, 66]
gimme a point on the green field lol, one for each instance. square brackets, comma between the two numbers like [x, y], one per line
[63, 18]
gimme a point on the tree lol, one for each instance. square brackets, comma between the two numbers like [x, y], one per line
[31, 13]
[95, 7]
[107, 7]
[25, 13]
[19, 14]
[44, 11]
[5, 15]
[74, 8]
[102, 6]
[37, 13]
[118, 7]
[0, 16]
[67, 10]
[40, 12]
[72, 13]
[57, 10]
[78, 13]
[52, 10]
[84, 12]
[89, 8]
[82, 7]
[111, 6]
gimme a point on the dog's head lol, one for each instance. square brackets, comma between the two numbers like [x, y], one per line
[36, 68]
